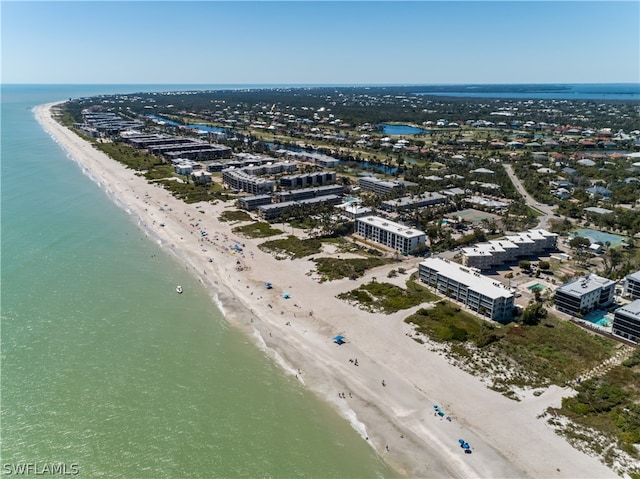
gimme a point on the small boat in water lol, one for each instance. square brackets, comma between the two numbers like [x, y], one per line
[179, 289]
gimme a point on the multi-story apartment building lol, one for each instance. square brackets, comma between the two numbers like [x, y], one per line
[392, 235]
[496, 253]
[274, 211]
[318, 178]
[240, 180]
[626, 321]
[306, 193]
[584, 294]
[632, 285]
[407, 202]
[378, 186]
[250, 203]
[477, 292]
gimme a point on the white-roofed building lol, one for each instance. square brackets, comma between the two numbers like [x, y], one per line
[353, 210]
[584, 294]
[419, 201]
[378, 186]
[498, 252]
[477, 292]
[392, 235]
[626, 321]
[201, 177]
[632, 285]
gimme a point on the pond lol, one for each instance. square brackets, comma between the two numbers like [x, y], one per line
[388, 129]
[195, 126]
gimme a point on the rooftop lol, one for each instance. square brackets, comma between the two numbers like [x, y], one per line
[586, 284]
[475, 281]
[396, 228]
[635, 276]
[631, 309]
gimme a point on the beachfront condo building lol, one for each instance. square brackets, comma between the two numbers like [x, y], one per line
[387, 233]
[584, 294]
[408, 202]
[251, 203]
[479, 293]
[632, 285]
[626, 321]
[240, 180]
[496, 253]
[319, 159]
[378, 186]
[302, 180]
[307, 193]
[276, 211]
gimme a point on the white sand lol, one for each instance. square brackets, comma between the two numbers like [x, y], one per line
[507, 439]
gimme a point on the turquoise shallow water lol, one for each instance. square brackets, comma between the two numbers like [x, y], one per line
[105, 366]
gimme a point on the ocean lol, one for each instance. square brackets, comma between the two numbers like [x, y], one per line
[105, 370]
[573, 91]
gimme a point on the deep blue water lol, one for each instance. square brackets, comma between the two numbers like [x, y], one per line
[609, 91]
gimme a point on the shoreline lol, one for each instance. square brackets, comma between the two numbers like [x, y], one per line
[507, 438]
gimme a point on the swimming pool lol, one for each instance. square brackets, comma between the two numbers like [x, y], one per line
[536, 287]
[600, 318]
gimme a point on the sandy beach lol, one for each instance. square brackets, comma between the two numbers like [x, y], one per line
[397, 418]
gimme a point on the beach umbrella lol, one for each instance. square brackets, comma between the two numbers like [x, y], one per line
[466, 445]
[461, 441]
[435, 406]
[285, 295]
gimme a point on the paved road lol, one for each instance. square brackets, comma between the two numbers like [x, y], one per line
[548, 211]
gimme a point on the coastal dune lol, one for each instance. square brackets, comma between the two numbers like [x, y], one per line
[389, 396]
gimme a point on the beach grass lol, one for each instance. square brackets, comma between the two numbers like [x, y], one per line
[388, 298]
[555, 351]
[159, 172]
[234, 216]
[194, 193]
[336, 268]
[608, 405]
[292, 247]
[445, 322]
[256, 230]
[514, 355]
[133, 158]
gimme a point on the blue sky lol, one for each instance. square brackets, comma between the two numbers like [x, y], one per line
[326, 42]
